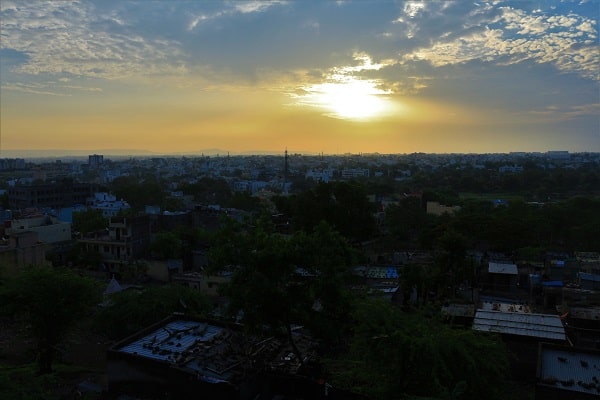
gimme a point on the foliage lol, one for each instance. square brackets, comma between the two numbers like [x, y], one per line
[139, 194]
[343, 205]
[166, 245]
[89, 221]
[394, 354]
[208, 191]
[51, 301]
[267, 288]
[131, 310]
[405, 218]
[24, 383]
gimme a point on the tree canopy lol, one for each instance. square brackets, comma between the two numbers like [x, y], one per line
[394, 354]
[51, 301]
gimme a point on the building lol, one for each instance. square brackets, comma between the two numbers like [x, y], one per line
[108, 204]
[95, 161]
[124, 242]
[349, 173]
[566, 372]
[64, 193]
[49, 229]
[435, 208]
[502, 277]
[20, 250]
[188, 357]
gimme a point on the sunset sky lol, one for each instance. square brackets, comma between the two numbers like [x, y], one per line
[310, 76]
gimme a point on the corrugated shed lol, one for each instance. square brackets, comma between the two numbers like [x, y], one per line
[570, 369]
[170, 341]
[501, 268]
[522, 324]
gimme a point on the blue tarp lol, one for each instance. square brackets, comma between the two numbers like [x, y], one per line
[553, 283]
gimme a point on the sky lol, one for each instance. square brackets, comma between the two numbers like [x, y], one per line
[329, 77]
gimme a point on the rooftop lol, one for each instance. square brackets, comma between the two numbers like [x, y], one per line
[544, 326]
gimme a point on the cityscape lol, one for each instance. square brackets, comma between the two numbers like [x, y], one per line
[299, 200]
[190, 263]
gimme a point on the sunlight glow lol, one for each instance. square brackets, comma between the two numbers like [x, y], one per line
[348, 98]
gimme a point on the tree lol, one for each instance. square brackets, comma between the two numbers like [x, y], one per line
[89, 221]
[51, 301]
[131, 310]
[266, 288]
[393, 355]
[166, 245]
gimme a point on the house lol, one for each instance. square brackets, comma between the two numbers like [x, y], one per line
[20, 250]
[521, 332]
[205, 283]
[125, 241]
[435, 208]
[566, 372]
[502, 276]
[48, 228]
[107, 203]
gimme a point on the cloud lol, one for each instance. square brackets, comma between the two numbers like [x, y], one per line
[62, 37]
[566, 41]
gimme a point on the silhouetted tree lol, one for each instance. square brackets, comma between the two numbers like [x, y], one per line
[51, 301]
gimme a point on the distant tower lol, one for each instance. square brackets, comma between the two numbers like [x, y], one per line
[95, 160]
[286, 166]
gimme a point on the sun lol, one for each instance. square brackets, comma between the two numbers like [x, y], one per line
[349, 98]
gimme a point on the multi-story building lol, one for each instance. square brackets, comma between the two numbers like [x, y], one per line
[125, 241]
[95, 161]
[50, 195]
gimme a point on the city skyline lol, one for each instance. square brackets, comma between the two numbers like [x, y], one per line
[332, 77]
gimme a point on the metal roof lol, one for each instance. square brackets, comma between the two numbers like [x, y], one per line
[571, 369]
[522, 324]
[500, 268]
[169, 341]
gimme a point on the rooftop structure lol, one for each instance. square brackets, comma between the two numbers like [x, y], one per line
[542, 326]
[567, 372]
[187, 355]
[501, 268]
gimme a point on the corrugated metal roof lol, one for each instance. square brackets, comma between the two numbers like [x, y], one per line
[500, 268]
[534, 325]
[570, 369]
[169, 341]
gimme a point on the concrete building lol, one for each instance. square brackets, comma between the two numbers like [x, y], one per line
[64, 193]
[190, 358]
[21, 250]
[49, 229]
[124, 242]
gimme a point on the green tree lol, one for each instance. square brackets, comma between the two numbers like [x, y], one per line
[267, 288]
[89, 221]
[131, 310]
[51, 301]
[393, 355]
[166, 245]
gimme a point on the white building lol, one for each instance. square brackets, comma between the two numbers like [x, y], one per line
[108, 204]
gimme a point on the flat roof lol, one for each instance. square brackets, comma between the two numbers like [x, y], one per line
[569, 368]
[213, 352]
[502, 268]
